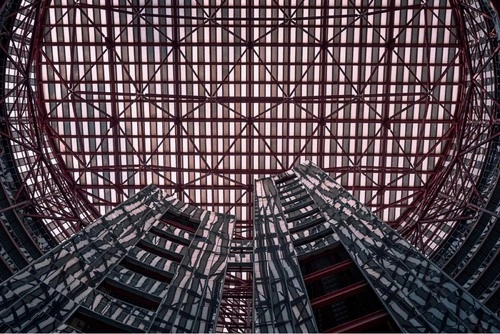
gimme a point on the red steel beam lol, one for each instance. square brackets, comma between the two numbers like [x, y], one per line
[340, 294]
[335, 268]
[361, 324]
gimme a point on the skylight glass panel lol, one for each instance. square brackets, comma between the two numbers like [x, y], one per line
[179, 95]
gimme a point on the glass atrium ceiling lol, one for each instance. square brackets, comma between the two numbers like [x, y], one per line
[203, 97]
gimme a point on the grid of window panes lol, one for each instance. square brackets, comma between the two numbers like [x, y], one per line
[201, 99]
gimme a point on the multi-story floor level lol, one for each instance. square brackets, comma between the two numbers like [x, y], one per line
[318, 261]
[359, 274]
[151, 264]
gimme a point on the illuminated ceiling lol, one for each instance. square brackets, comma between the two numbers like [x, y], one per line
[201, 98]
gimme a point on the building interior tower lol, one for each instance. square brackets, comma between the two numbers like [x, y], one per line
[320, 262]
[249, 166]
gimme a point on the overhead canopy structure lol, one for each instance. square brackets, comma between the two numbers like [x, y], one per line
[397, 100]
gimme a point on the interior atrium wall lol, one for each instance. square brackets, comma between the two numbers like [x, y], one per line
[151, 264]
[320, 261]
[330, 230]
[287, 266]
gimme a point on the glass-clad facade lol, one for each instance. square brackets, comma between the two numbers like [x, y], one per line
[319, 261]
[414, 291]
[359, 273]
[151, 264]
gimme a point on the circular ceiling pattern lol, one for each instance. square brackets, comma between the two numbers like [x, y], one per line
[201, 98]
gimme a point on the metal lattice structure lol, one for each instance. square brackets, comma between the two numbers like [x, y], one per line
[204, 99]
[396, 100]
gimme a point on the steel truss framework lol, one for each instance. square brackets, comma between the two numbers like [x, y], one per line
[396, 100]
[202, 103]
[235, 313]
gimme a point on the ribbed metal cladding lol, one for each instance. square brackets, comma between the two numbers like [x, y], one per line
[43, 295]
